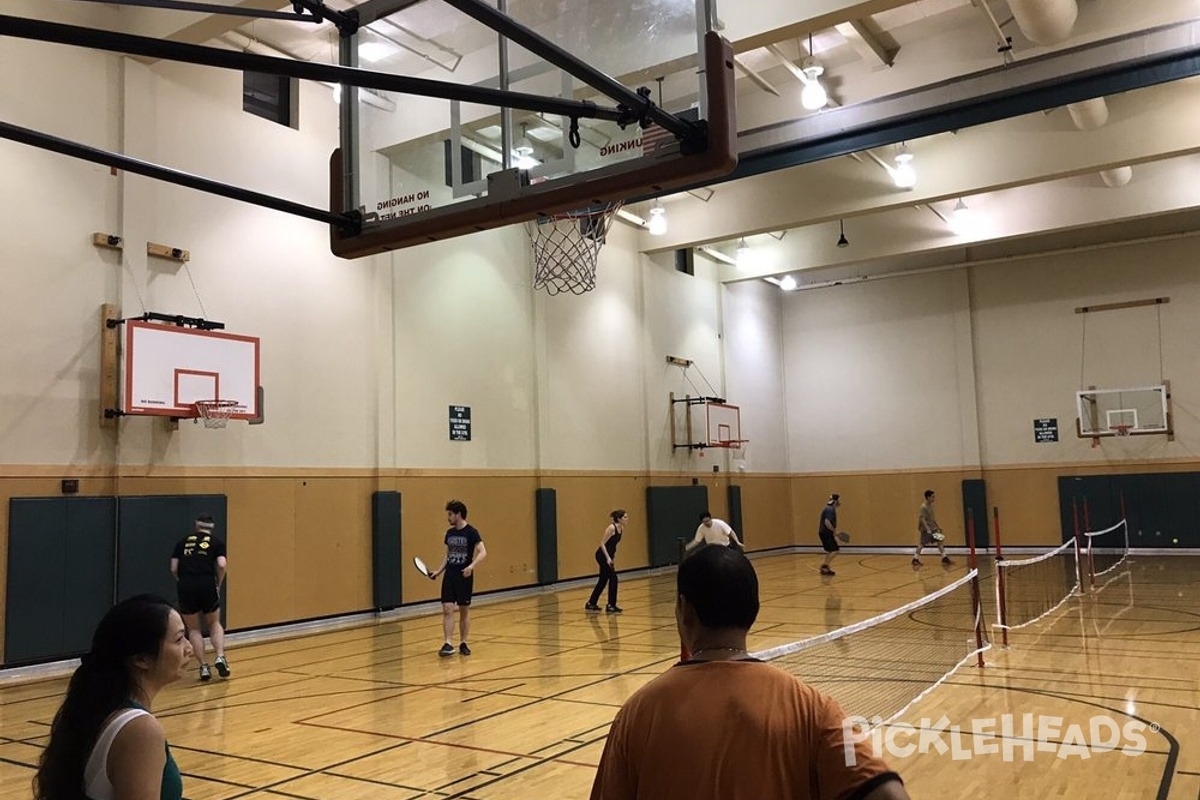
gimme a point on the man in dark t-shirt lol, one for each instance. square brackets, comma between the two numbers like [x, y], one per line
[464, 551]
[198, 564]
[828, 532]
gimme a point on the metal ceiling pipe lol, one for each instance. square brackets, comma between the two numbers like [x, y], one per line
[1045, 21]
[1089, 115]
[1116, 177]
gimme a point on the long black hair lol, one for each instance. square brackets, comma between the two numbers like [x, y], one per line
[103, 683]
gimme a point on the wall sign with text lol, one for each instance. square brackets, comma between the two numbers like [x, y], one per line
[1045, 430]
[460, 423]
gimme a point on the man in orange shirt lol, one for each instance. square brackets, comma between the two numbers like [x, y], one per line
[725, 726]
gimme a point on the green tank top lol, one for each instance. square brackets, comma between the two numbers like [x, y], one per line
[172, 780]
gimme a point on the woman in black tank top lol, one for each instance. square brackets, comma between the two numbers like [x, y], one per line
[606, 553]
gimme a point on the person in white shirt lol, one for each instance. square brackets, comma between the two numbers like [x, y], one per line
[713, 531]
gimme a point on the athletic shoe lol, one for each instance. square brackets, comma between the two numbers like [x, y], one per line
[946, 560]
[462, 648]
[827, 571]
[205, 673]
[222, 666]
[591, 607]
[447, 650]
[916, 562]
[613, 609]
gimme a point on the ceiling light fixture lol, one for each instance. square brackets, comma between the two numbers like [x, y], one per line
[742, 255]
[842, 240]
[657, 224]
[787, 283]
[962, 220]
[523, 150]
[904, 174]
[813, 97]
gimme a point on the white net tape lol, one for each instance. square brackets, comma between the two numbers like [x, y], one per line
[881, 666]
[566, 248]
[1107, 549]
[1036, 587]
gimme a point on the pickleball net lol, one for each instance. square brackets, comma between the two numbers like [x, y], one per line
[1029, 589]
[1106, 550]
[879, 667]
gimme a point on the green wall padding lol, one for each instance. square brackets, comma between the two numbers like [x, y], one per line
[60, 575]
[386, 569]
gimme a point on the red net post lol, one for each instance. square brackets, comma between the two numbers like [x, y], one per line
[1079, 561]
[1001, 603]
[976, 603]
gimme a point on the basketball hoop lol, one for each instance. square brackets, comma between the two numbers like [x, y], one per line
[215, 413]
[1122, 430]
[736, 445]
[566, 247]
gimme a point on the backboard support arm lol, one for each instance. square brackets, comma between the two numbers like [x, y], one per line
[15, 133]
[110, 41]
[639, 106]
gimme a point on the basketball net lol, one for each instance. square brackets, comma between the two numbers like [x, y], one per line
[567, 246]
[215, 413]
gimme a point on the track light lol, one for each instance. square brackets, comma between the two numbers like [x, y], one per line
[904, 174]
[657, 224]
[524, 151]
[742, 255]
[842, 240]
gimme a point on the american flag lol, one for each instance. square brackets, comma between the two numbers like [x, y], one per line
[655, 137]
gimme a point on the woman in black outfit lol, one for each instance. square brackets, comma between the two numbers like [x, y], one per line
[605, 554]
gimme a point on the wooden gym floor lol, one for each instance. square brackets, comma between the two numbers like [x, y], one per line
[373, 712]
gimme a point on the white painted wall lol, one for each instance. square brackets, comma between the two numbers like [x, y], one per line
[875, 375]
[1031, 347]
[754, 368]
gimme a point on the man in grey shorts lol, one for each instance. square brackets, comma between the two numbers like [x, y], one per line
[929, 531]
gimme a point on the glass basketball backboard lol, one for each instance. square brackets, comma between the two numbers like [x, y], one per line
[423, 163]
[1124, 412]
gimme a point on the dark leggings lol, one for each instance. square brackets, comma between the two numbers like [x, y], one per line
[607, 575]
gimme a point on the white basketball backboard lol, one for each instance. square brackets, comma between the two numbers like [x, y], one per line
[724, 424]
[168, 368]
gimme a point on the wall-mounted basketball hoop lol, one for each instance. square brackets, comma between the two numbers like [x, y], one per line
[708, 423]
[1137, 411]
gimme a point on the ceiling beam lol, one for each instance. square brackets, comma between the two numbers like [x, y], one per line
[865, 43]
[759, 80]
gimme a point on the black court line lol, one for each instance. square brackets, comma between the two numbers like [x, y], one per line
[16, 763]
[505, 690]
[1164, 785]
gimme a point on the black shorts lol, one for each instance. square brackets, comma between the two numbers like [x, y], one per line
[198, 594]
[457, 589]
[829, 542]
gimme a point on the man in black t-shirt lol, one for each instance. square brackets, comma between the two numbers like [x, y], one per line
[828, 532]
[198, 564]
[464, 551]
